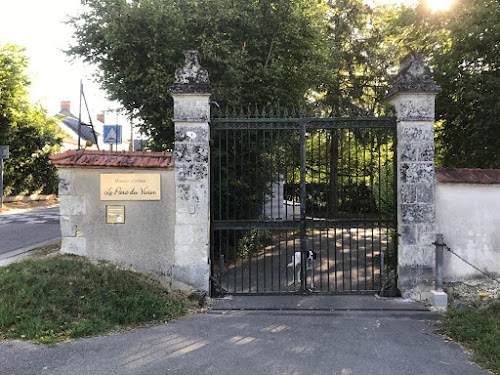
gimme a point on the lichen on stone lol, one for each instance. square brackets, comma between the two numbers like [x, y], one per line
[414, 76]
[191, 78]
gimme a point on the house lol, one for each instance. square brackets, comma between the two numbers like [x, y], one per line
[68, 124]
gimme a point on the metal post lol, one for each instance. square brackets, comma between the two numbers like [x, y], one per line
[1, 181]
[439, 262]
[131, 147]
[80, 115]
[4, 154]
[303, 245]
[90, 119]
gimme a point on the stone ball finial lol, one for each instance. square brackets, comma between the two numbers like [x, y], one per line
[414, 76]
[191, 78]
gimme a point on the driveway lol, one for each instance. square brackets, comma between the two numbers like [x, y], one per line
[257, 340]
[348, 259]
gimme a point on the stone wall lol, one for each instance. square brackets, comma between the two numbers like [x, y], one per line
[144, 242]
[171, 237]
[468, 215]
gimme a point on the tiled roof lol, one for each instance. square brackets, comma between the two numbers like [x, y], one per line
[468, 176]
[71, 121]
[123, 159]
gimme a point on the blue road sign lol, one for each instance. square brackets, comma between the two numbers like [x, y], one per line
[112, 134]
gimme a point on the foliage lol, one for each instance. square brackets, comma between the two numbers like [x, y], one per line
[243, 173]
[331, 52]
[361, 181]
[357, 57]
[467, 66]
[269, 47]
[251, 242]
[53, 299]
[462, 48]
[339, 53]
[25, 127]
[479, 330]
[244, 166]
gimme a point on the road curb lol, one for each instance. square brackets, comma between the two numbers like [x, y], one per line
[18, 254]
[354, 314]
[27, 210]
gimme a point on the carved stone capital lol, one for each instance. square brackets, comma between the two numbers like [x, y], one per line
[191, 78]
[413, 77]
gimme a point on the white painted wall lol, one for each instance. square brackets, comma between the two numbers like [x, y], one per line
[468, 215]
[274, 207]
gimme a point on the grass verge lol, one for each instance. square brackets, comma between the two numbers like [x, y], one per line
[479, 331]
[57, 298]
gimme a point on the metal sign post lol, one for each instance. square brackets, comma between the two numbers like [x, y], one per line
[4, 154]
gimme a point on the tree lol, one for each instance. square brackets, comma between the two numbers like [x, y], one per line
[260, 52]
[25, 127]
[358, 62]
[462, 47]
[467, 67]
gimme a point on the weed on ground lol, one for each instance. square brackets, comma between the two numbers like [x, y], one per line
[62, 297]
[478, 329]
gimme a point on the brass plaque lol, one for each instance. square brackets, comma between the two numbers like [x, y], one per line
[130, 187]
[115, 214]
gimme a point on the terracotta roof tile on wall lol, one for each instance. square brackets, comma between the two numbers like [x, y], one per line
[468, 176]
[91, 158]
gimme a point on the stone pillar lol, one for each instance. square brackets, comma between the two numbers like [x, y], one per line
[413, 94]
[191, 93]
[72, 206]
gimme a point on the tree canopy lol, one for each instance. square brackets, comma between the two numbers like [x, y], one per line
[462, 46]
[339, 53]
[25, 127]
[467, 67]
[258, 52]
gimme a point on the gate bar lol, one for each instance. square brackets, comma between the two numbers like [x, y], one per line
[303, 245]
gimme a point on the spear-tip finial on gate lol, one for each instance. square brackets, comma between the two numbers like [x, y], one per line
[414, 76]
[191, 78]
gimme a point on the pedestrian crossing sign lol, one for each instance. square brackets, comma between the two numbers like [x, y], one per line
[112, 134]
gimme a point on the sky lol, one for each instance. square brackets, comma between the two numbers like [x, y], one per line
[39, 26]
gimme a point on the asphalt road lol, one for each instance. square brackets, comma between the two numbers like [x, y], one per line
[236, 342]
[24, 229]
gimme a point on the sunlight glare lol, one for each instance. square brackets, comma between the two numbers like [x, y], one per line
[437, 5]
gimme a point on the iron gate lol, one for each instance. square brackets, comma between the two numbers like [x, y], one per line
[280, 186]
